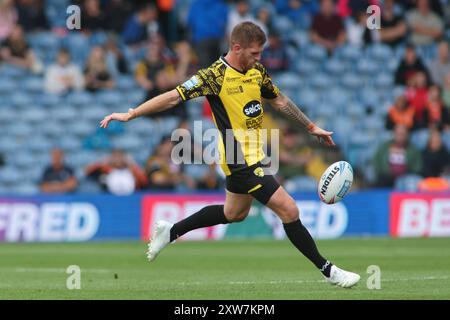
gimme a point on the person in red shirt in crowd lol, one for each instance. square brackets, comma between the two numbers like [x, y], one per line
[400, 113]
[435, 114]
[417, 95]
[327, 28]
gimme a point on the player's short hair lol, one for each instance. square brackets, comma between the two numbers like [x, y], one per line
[246, 33]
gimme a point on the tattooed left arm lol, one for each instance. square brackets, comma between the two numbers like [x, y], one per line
[287, 108]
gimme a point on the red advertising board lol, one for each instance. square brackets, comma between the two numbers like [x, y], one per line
[174, 208]
[419, 215]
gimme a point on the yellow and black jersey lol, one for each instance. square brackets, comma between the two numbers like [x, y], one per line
[235, 100]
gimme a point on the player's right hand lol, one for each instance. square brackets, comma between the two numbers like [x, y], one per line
[123, 117]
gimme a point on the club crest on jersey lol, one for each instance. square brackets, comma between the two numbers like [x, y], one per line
[191, 83]
[259, 172]
[253, 109]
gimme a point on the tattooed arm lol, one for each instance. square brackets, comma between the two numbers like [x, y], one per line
[288, 109]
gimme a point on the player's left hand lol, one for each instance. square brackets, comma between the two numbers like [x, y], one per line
[322, 135]
[123, 117]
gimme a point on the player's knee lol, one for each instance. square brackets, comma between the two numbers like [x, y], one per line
[237, 217]
[290, 212]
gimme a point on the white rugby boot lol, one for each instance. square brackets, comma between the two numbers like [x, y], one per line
[160, 238]
[342, 278]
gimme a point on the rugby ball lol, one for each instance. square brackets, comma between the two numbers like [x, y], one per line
[335, 182]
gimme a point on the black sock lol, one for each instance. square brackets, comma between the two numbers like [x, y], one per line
[303, 241]
[206, 217]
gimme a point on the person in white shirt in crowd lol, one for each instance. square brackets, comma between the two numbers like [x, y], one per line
[63, 76]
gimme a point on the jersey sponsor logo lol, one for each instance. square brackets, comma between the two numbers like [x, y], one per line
[235, 90]
[253, 109]
[232, 79]
[254, 123]
[191, 83]
[247, 81]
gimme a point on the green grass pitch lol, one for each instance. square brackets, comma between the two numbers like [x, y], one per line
[232, 269]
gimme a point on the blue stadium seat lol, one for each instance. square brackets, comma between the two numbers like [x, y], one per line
[128, 142]
[316, 53]
[384, 80]
[21, 129]
[351, 80]
[380, 52]
[408, 183]
[39, 143]
[80, 128]
[306, 67]
[446, 140]
[10, 176]
[349, 53]
[35, 115]
[25, 189]
[65, 113]
[80, 98]
[97, 141]
[301, 184]
[321, 80]
[335, 66]
[69, 143]
[53, 128]
[33, 84]
[125, 83]
[419, 138]
[288, 81]
[24, 159]
[366, 66]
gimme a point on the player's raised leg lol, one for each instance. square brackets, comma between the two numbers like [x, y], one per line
[236, 208]
[286, 209]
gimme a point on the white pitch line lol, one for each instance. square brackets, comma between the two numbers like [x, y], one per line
[58, 270]
[277, 282]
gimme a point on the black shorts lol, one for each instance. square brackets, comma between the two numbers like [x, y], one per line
[255, 181]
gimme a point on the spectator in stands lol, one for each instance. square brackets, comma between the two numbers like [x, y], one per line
[137, 28]
[162, 172]
[348, 8]
[417, 95]
[8, 18]
[274, 56]
[425, 25]
[118, 174]
[441, 65]
[435, 156]
[58, 177]
[114, 56]
[156, 74]
[435, 114]
[401, 113]
[300, 12]
[327, 28]
[207, 23]
[117, 13]
[32, 16]
[357, 32]
[240, 13]
[393, 27]
[63, 76]
[409, 65]
[93, 19]
[446, 92]
[16, 51]
[264, 19]
[395, 158]
[97, 75]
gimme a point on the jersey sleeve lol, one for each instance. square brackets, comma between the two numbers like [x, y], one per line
[268, 89]
[199, 85]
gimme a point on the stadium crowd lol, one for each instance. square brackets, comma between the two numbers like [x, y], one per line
[392, 84]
